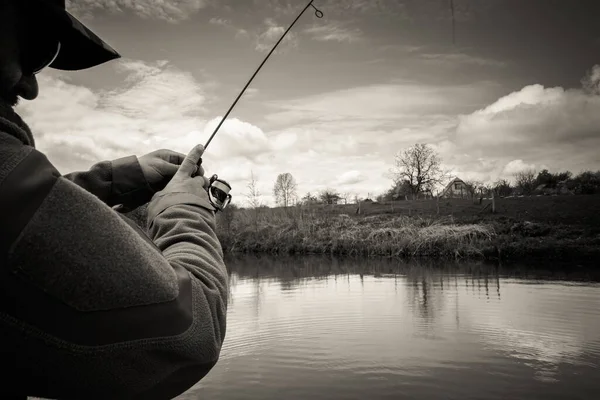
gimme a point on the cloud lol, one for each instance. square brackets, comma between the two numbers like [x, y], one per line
[160, 107]
[460, 59]
[264, 36]
[239, 32]
[351, 177]
[237, 138]
[270, 34]
[334, 32]
[516, 166]
[380, 104]
[477, 136]
[535, 127]
[169, 10]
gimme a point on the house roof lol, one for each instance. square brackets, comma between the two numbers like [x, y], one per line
[449, 185]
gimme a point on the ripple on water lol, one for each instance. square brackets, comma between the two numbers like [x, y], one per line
[418, 335]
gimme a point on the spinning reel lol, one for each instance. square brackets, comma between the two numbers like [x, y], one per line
[218, 193]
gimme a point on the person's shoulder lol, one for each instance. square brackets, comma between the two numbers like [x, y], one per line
[12, 152]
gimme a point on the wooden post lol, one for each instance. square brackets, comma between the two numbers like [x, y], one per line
[493, 203]
[438, 205]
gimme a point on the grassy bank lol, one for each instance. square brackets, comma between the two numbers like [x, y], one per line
[545, 228]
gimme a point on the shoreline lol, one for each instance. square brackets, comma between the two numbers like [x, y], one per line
[405, 238]
[532, 230]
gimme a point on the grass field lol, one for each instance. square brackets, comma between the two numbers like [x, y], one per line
[545, 227]
[570, 210]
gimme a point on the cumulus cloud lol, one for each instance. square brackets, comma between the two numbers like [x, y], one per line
[351, 177]
[236, 138]
[556, 126]
[169, 10]
[159, 107]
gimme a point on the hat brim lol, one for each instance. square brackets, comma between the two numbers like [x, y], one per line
[80, 47]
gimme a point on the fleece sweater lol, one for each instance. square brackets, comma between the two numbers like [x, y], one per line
[92, 307]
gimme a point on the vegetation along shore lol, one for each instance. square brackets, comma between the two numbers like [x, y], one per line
[544, 228]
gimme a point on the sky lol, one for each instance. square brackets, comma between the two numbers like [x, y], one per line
[518, 88]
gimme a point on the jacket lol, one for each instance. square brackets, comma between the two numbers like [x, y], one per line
[91, 306]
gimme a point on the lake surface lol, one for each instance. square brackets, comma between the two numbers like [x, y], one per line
[319, 328]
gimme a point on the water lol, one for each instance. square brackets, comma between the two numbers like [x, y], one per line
[317, 328]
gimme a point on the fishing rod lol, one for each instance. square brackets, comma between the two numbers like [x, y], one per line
[218, 189]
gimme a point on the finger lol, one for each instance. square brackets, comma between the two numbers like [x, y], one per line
[202, 181]
[170, 156]
[205, 182]
[168, 169]
[188, 166]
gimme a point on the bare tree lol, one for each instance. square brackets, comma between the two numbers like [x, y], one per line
[345, 196]
[419, 168]
[525, 181]
[253, 194]
[473, 187]
[285, 189]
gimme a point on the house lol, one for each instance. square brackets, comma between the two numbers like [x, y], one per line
[455, 188]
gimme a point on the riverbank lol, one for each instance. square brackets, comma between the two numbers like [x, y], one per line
[522, 229]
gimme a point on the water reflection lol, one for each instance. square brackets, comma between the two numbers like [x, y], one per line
[326, 328]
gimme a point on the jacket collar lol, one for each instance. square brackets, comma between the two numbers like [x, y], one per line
[12, 124]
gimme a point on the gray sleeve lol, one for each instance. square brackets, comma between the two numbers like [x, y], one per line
[98, 309]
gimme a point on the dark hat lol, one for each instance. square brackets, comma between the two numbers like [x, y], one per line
[80, 47]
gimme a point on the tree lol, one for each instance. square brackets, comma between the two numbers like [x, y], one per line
[329, 196]
[253, 194]
[309, 199]
[473, 187]
[419, 168]
[345, 196]
[587, 182]
[591, 82]
[285, 189]
[551, 180]
[525, 181]
[503, 188]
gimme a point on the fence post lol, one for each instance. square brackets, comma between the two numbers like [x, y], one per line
[493, 203]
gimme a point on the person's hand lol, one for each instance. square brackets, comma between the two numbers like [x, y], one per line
[190, 178]
[160, 166]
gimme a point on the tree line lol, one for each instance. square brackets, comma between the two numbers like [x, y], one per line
[418, 172]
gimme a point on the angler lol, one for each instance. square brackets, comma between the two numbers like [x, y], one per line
[92, 307]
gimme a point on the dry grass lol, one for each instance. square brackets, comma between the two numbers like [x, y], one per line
[297, 230]
[560, 228]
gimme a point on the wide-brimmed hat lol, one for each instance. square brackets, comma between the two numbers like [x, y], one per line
[80, 48]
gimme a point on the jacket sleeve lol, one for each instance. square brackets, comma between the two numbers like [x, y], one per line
[93, 310]
[120, 181]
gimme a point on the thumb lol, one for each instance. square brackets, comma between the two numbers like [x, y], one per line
[188, 166]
